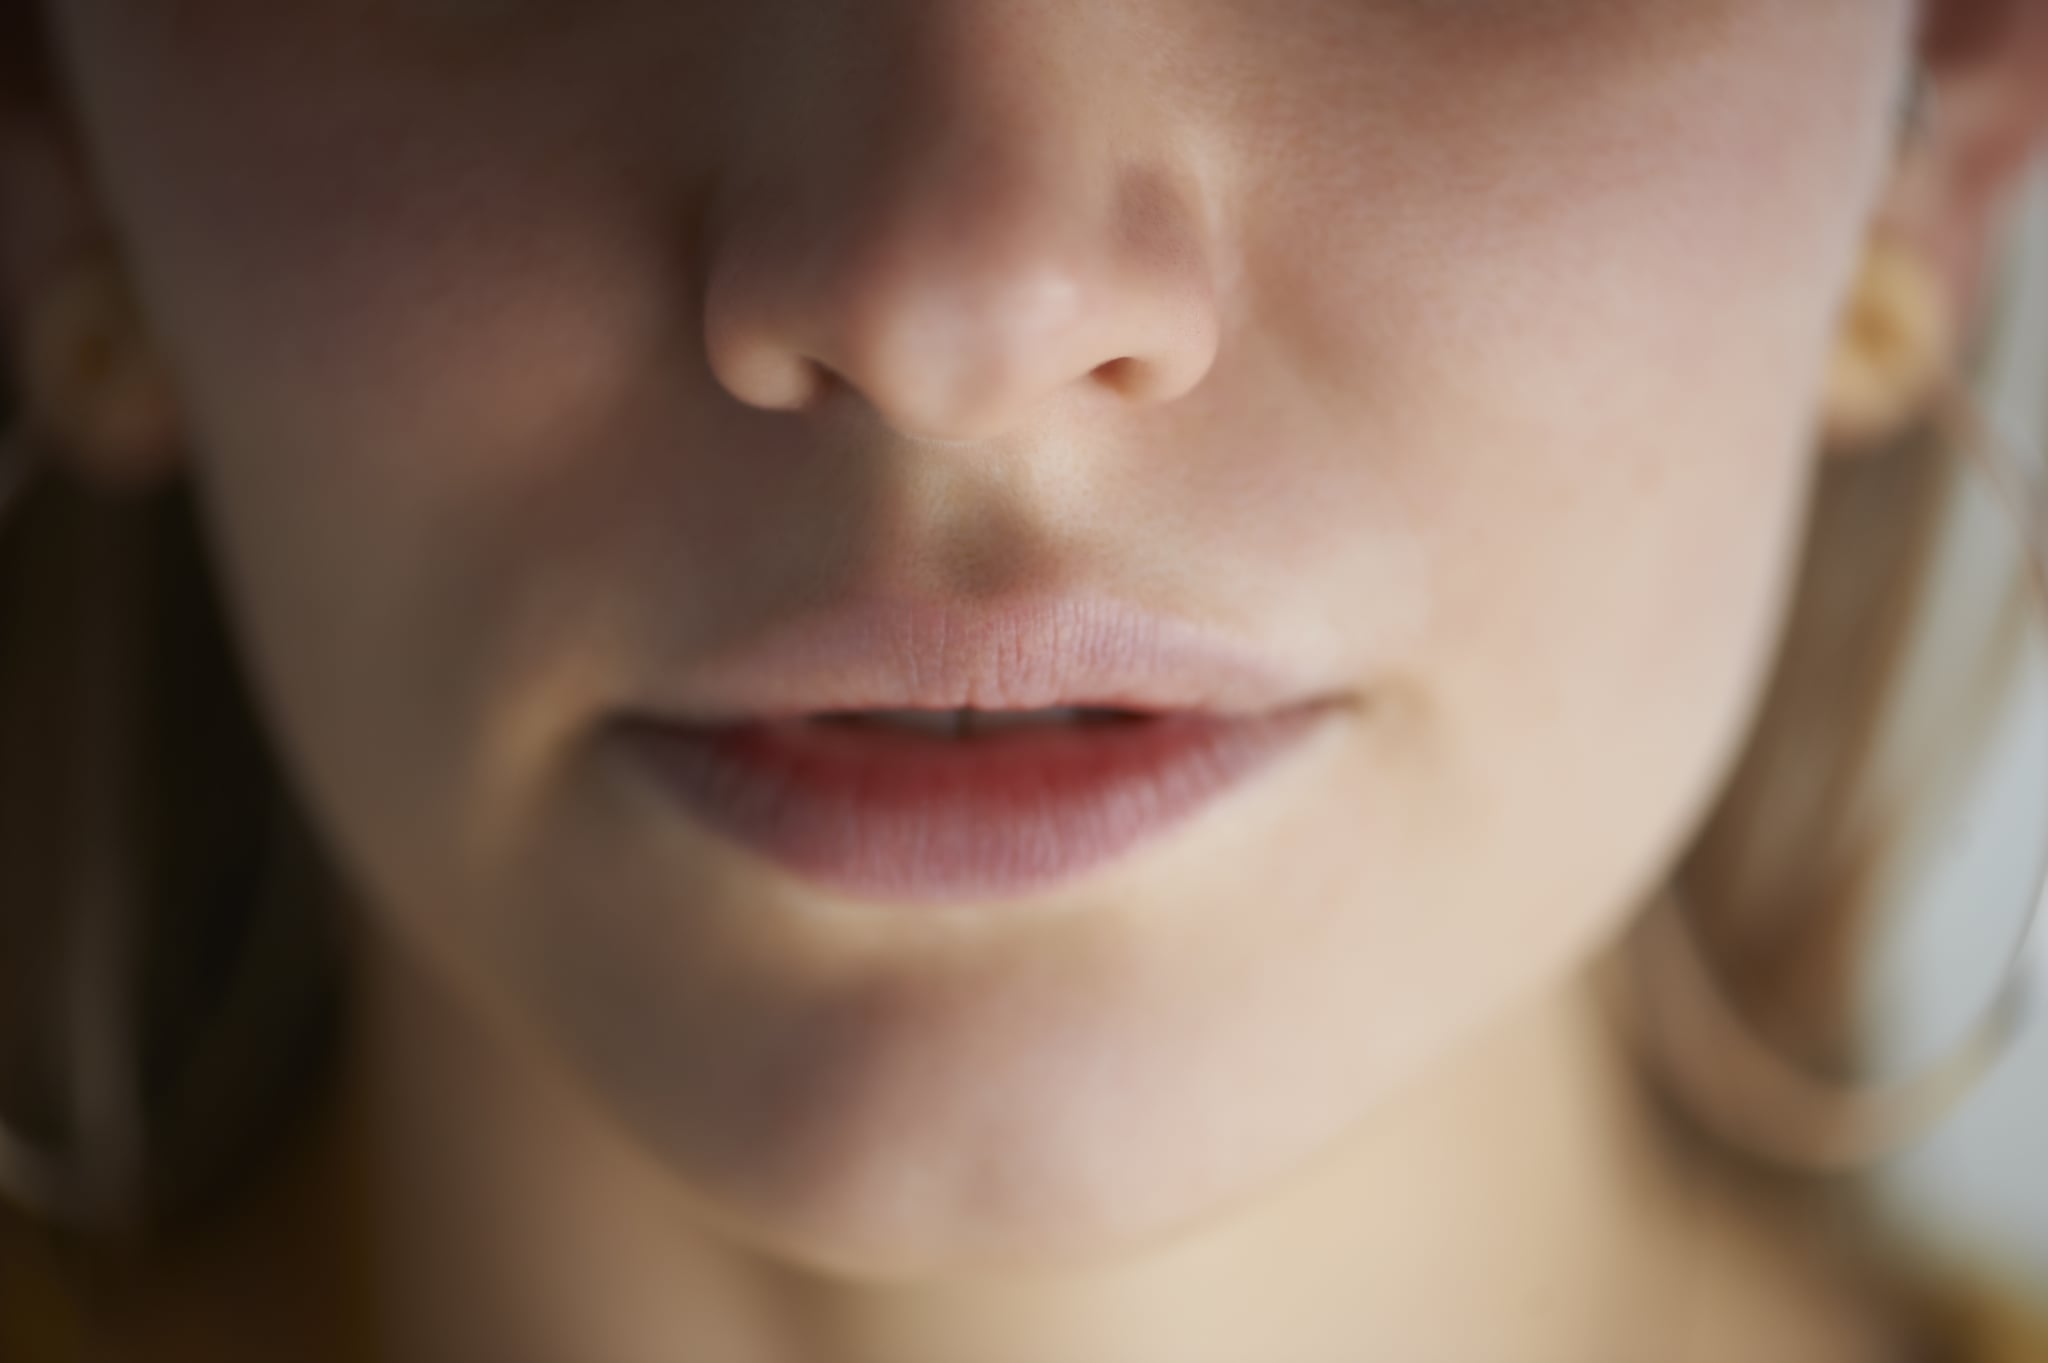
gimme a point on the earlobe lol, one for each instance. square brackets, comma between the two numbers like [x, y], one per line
[93, 383]
[1895, 349]
[87, 376]
[1979, 121]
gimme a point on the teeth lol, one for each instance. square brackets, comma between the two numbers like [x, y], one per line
[958, 723]
[994, 721]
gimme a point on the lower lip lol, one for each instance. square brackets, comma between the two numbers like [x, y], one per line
[892, 815]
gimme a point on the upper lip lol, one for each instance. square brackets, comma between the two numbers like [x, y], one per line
[1017, 653]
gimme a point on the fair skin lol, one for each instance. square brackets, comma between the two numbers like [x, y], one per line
[1461, 358]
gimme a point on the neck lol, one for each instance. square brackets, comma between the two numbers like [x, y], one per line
[1518, 1202]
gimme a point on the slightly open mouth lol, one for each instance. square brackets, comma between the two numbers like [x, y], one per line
[958, 804]
[969, 723]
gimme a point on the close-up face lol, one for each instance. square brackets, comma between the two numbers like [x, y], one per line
[1402, 412]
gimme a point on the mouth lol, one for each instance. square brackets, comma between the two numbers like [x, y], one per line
[956, 805]
[967, 723]
[922, 802]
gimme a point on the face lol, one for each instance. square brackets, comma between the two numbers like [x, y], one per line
[1459, 361]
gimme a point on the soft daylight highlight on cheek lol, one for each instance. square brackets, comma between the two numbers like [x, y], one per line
[1519, 313]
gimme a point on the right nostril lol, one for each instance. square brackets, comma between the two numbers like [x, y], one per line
[1118, 374]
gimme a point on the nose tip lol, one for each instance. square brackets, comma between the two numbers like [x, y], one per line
[957, 315]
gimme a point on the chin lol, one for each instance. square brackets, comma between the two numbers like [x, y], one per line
[910, 1130]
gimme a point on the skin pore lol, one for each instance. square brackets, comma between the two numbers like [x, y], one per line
[1459, 356]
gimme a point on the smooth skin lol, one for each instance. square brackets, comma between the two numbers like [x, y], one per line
[1462, 356]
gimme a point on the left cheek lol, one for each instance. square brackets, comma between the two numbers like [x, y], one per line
[1611, 674]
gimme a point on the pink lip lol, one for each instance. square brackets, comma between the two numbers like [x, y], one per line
[1020, 654]
[895, 815]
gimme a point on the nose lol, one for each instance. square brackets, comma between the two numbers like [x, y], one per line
[958, 250]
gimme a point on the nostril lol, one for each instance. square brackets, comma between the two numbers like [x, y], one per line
[953, 321]
[1120, 376]
[826, 384]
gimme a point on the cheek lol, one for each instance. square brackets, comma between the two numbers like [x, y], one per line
[1615, 512]
[400, 344]
[1550, 411]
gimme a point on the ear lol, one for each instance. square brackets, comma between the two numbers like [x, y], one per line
[82, 366]
[1979, 120]
[1986, 67]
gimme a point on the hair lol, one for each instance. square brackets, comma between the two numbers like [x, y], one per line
[171, 976]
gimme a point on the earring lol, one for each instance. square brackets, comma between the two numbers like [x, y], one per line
[92, 383]
[1754, 1097]
[1892, 351]
[1897, 328]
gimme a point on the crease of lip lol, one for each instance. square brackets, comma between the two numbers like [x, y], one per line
[1030, 653]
